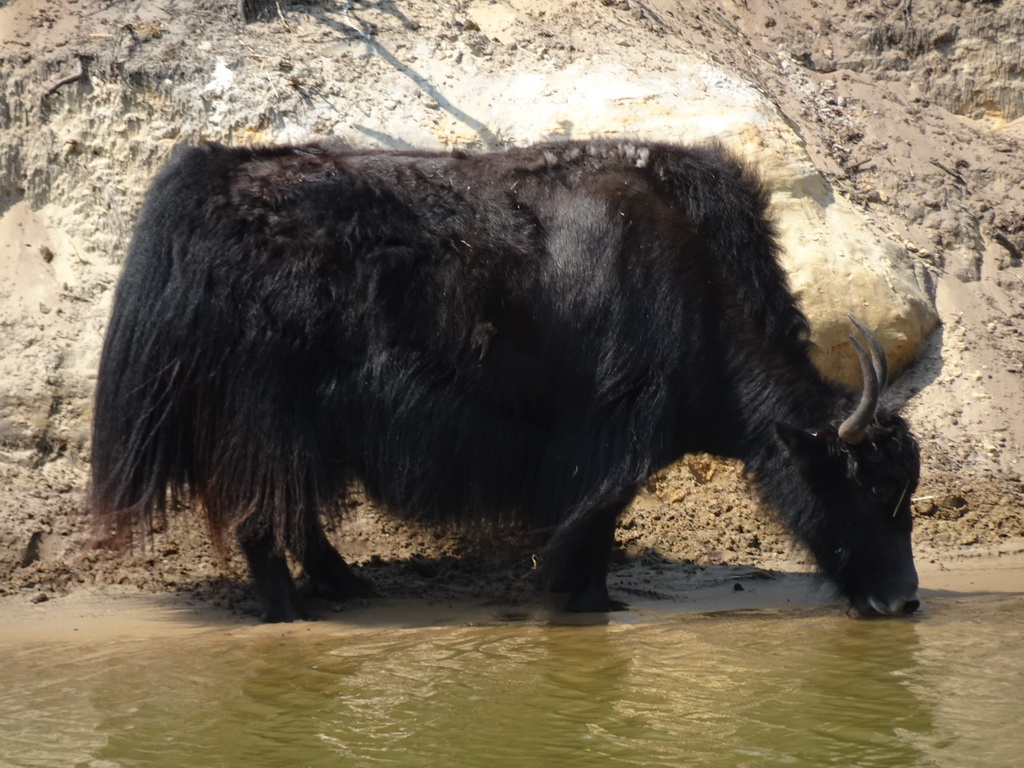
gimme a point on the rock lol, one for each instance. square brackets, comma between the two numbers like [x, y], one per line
[838, 262]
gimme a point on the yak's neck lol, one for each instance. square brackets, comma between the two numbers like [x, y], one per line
[776, 390]
[794, 398]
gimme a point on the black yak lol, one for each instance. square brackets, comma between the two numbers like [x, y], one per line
[526, 335]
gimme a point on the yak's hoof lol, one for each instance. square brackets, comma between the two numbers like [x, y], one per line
[281, 614]
[592, 599]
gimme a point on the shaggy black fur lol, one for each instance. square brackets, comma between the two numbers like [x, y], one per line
[525, 335]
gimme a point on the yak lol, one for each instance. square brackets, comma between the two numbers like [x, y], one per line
[525, 335]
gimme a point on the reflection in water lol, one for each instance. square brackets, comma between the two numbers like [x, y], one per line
[846, 700]
[691, 690]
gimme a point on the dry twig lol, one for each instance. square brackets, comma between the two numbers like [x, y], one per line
[78, 74]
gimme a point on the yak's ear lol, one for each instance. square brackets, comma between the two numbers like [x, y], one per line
[808, 447]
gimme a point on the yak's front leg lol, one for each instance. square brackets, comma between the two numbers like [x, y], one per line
[273, 581]
[576, 559]
[329, 575]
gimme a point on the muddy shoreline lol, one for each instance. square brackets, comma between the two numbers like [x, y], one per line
[668, 593]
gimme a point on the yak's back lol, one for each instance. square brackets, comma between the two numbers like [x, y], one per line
[279, 307]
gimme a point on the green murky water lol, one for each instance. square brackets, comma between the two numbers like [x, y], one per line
[780, 688]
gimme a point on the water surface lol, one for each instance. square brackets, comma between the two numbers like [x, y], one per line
[785, 688]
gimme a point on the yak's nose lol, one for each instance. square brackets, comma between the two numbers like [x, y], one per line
[872, 606]
[909, 606]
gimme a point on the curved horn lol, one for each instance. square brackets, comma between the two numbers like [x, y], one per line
[852, 430]
[878, 358]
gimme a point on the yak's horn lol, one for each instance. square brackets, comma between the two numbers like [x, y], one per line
[878, 358]
[875, 370]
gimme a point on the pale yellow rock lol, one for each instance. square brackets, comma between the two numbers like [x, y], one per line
[837, 261]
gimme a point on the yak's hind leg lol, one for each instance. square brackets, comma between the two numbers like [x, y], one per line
[273, 581]
[576, 559]
[329, 575]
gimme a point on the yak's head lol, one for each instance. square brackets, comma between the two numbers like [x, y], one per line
[861, 476]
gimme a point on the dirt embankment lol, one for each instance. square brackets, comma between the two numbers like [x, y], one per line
[875, 90]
